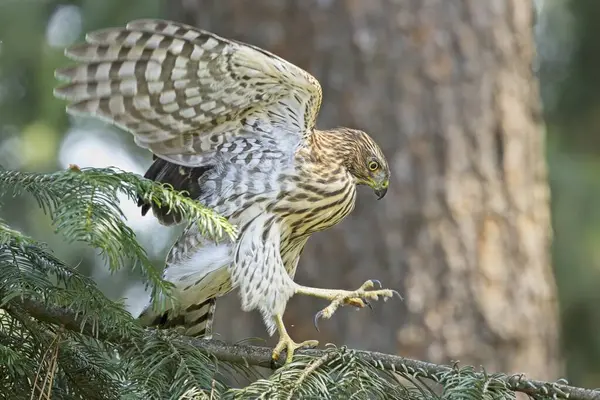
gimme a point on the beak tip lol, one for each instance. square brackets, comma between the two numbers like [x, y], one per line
[380, 193]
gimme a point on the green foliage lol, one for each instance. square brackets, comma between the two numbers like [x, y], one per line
[84, 206]
[336, 375]
[66, 363]
[31, 272]
[61, 338]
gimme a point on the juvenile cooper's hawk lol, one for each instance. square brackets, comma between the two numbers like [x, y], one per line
[234, 125]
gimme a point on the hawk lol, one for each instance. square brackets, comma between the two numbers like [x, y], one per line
[234, 125]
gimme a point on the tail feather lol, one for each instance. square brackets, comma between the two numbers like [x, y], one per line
[195, 320]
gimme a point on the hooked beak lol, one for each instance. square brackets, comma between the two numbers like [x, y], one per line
[380, 192]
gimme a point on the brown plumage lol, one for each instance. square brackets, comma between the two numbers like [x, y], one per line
[233, 125]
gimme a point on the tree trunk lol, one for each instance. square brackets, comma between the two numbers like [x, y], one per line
[446, 88]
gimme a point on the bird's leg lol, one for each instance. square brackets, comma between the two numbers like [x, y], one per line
[286, 342]
[357, 298]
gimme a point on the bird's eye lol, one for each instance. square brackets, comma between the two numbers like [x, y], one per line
[373, 165]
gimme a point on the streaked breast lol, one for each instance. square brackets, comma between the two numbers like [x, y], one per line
[313, 205]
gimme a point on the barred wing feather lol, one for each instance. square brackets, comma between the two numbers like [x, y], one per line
[182, 91]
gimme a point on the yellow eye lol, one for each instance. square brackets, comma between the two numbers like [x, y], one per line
[373, 165]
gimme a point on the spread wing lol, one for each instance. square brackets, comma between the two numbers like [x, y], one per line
[183, 92]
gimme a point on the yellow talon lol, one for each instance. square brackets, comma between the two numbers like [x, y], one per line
[356, 302]
[286, 342]
[358, 298]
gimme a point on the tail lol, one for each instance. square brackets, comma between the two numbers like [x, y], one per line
[195, 320]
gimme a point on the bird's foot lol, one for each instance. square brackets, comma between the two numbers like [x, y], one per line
[286, 343]
[358, 298]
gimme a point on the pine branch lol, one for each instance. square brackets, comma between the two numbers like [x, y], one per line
[261, 356]
[84, 206]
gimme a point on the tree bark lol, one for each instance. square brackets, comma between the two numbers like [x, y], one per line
[446, 88]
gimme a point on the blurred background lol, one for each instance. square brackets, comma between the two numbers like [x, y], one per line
[448, 88]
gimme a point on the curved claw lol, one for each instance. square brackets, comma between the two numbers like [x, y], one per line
[368, 304]
[316, 320]
[376, 282]
[397, 294]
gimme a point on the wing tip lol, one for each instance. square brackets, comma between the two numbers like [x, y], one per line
[64, 74]
[103, 36]
[72, 74]
[81, 52]
[144, 23]
[72, 92]
[61, 92]
[86, 108]
[75, 110]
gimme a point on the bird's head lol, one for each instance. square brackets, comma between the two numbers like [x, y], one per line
[367, 164]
